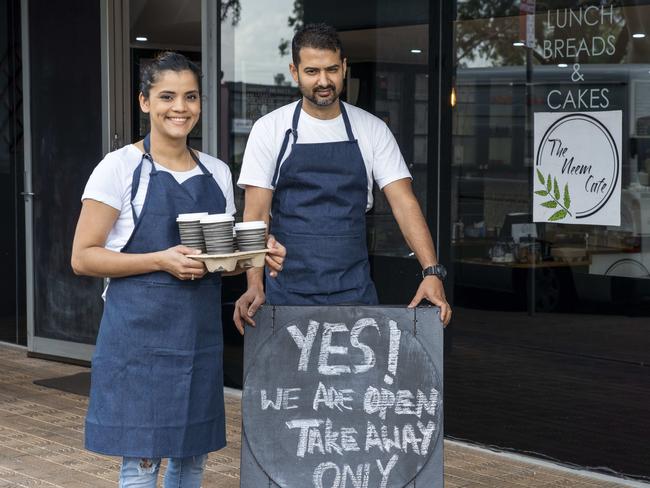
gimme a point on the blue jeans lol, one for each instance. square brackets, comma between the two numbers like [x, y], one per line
[181, 472]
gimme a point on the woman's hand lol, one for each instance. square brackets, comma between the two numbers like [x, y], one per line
[275, 256]
[175, 262]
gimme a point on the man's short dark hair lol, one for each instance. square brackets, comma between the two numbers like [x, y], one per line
[316, 36]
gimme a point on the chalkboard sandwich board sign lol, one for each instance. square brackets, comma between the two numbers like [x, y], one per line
[343, 397]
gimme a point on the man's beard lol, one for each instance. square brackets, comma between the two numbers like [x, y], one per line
[310, 94]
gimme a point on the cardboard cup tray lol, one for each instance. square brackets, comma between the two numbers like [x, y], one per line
[228, 262]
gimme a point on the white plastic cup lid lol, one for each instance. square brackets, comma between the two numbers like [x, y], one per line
[190, 217]
[253, 224]
[216, 218]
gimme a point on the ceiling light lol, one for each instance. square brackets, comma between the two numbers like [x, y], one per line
[141, 39]
[416, 51]
[638, 35]
[518, 44]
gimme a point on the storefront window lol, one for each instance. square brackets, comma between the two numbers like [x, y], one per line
[551, 228]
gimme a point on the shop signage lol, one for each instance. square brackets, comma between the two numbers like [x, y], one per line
[595, 22]
[578, 158]
[577, 170]
[343, 397]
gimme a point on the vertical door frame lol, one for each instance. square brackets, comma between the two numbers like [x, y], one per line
[440, 142]
[210, 64]
[116, 74]
[27, 185]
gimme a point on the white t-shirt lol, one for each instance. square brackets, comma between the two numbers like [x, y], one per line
[381, 155]
[110, 183]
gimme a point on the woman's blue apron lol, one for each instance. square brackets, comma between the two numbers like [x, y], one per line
[319, 214]
[157, 372]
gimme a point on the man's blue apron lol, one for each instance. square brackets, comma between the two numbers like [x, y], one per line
[157, 371]
[319, 214]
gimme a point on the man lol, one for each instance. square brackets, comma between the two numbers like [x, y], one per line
[319, 187]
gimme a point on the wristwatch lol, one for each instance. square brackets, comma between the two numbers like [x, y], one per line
[436, 270]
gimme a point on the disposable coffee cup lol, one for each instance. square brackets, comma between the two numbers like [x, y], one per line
[189, 228]
[251, 236]
[218, 233]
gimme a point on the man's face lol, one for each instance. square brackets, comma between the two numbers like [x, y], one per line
[319, 75]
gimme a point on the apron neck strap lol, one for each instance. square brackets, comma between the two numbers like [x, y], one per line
[294, 122]
[346, 120]
[285, 141]
[198, 162]
[135, 182]
[147, 148]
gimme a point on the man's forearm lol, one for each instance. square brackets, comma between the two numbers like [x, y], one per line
[410, 219]
[255, 277]
[257, 207]
[416, 233]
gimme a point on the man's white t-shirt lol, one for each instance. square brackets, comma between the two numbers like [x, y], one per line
[110, 183]
[383, 160]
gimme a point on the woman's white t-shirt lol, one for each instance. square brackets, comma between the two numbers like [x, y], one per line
[381, 154]
[110, 183]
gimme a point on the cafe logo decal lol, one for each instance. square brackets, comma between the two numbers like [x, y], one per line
[577, 170]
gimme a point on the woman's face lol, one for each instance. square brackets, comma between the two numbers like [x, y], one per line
[174, 103]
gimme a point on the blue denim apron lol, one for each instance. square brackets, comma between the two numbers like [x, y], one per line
[319, 214]
[157, 371]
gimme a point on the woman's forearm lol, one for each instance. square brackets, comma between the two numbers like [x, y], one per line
[103, 263]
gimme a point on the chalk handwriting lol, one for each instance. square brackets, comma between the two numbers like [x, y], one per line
[332, 398]
[305, 343]
[283, 397]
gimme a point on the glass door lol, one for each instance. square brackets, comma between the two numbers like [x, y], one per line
[387, 45]
[64, 140]
[101, 114]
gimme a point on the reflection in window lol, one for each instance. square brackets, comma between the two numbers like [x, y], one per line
[582, 58]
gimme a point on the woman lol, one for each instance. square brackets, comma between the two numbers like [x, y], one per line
[157, 382]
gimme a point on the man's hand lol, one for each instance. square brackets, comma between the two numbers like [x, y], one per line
[247, 305]
[275, 256]
[431, 288]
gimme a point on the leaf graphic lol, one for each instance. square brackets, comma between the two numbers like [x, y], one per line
[541, 193]
[549, 183]
[540, 177]
[550, 204]
[556, 189]
[567, 197]
[559, 215]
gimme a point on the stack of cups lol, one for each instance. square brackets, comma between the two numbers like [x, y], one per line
[251, 235]
[189, 227]
[218, 233]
